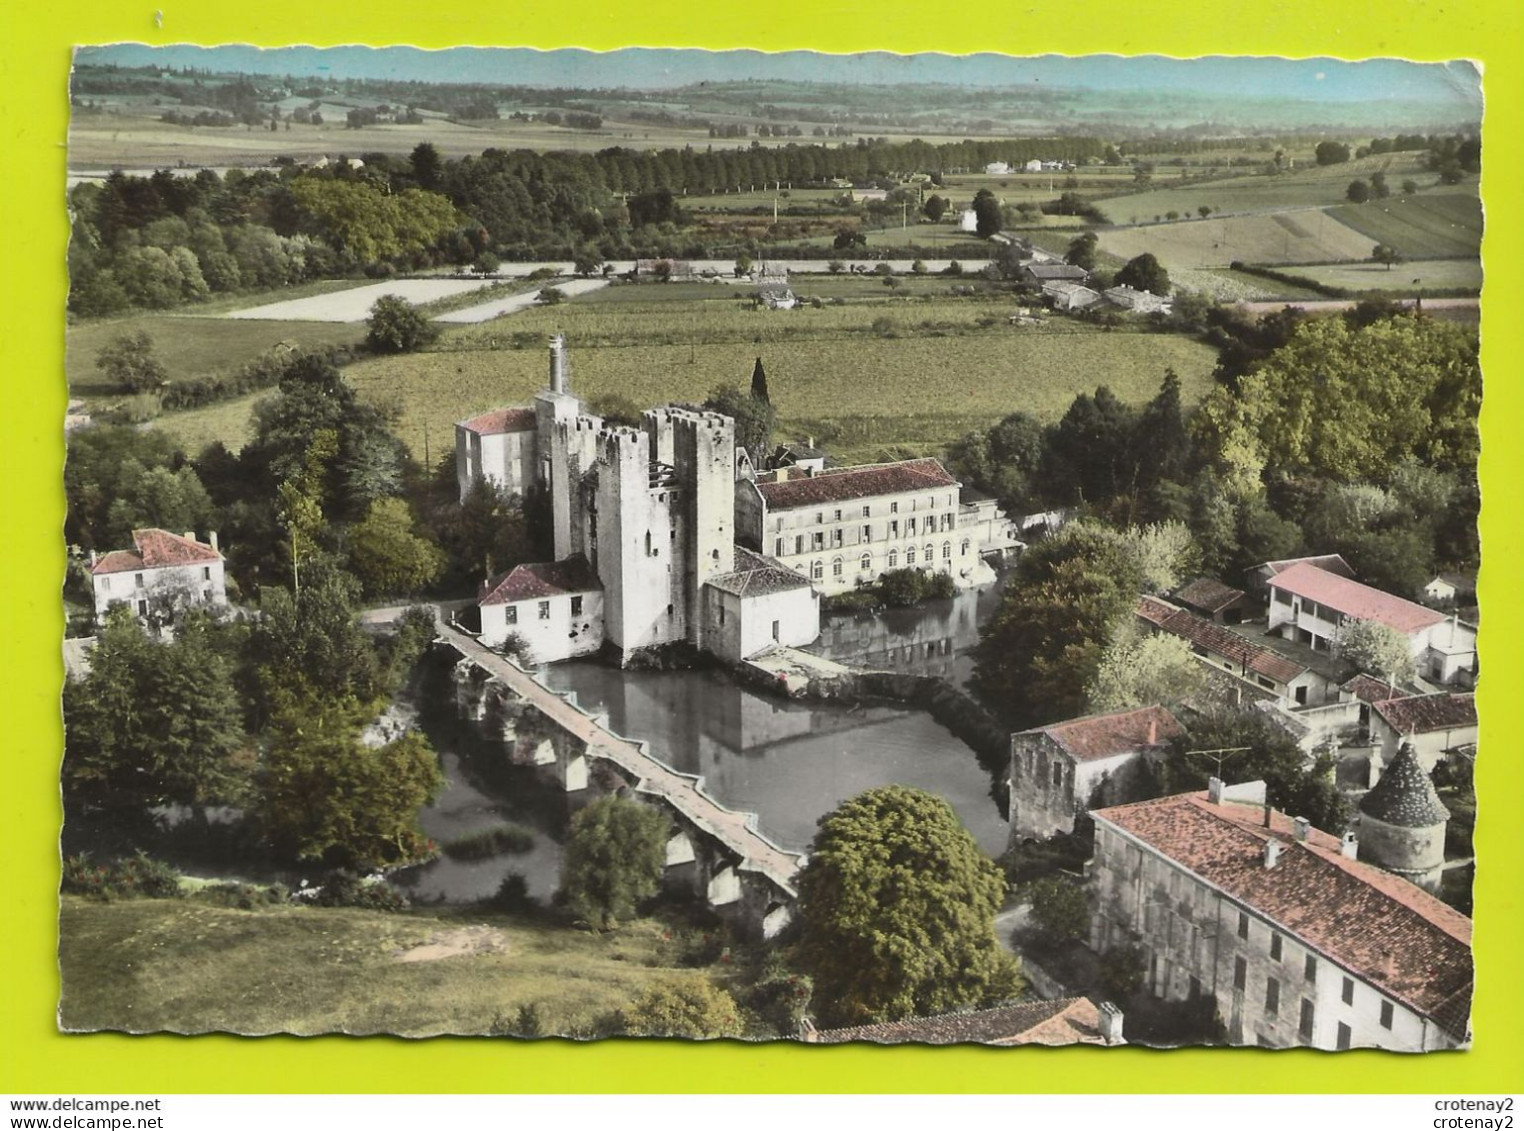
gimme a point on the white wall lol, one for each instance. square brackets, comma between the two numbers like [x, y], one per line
[550, 638]
[163, 587]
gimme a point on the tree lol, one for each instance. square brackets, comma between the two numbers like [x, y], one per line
[1144, 273]
[1409, 188]
[693, 1007]
[326, 795]
[987, 218]
[1358, 192]
[129, 363]
[1060, 910]
[755, 418]
[934, 208]
[486, 264]
[1043, 645]
[388, 556]
[1081, 251]
[743, 265]
[896, 910]
[156, 722]
[426, 164]
[614, 858]
[1204, 210]
[552, 296]
[1163, 443]
[397, 326]
[586, 263]
[1140, 669]
[759, 383]
[1376, 649]
[1331, 153]
[1379, 188]
[311, 645]
[1387, 254]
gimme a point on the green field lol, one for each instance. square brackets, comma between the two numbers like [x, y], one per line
[1427, 226]
[1305, 236]
[928, 373]
[191, 345]
[189, 967]
[1306, 186]
[1403, 278]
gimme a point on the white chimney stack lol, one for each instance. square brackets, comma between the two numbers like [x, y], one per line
[1214, 790]
[1349, 847]
[1302, 826]
[1111, 1023]
[1272, 852]
[190, 535]
[213, 537]
[557, 363]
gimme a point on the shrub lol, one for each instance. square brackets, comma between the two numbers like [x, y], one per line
[1060, 910]
[345, 889]
[245, 897]
[690, 1008]
[513, 894]
[136, 877]
[483, 843]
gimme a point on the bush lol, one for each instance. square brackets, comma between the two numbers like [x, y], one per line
[483, 843]
[244, 897]
[1060, 910]
[397, 326]
[1122, 972]
[136, 877]
[690, 1008]
[513, 895]
[345, 889]
[900, 588]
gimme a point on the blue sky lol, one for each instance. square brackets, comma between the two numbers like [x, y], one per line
[1328, 80]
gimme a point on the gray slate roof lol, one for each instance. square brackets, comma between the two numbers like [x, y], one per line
[1405, 795]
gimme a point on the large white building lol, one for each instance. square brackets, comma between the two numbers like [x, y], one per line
[845, 526]
[1312, 605]
[160, 575]
[1295, 940]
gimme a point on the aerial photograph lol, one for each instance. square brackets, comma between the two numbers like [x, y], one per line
[780, 547]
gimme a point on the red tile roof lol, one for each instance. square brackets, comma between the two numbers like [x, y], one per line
[1353, 599]
[1104, 736]
[1369, 689]
[1067, 1021]
[1218, 640]
[501, 420]
[835, 485]
[1392, 934]
[1208, 594]
[1333, 563]
[1424, 714]
[156, 549]
[540, 580]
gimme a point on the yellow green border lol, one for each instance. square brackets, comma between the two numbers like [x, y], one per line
[35, 44]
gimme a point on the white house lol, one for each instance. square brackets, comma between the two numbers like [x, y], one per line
[1139, 302]
[498, 447]
[555, 608]
[1434, 725]
[1295, 941]
[997, 169]
[162, 573]
[1312, 605]
[755, 606]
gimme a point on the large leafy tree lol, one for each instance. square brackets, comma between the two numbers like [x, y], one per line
[1089, 455]
[896, 909]
[325, 795]
[388, 556]
[614, 860]
[1045, 642]
[157, 721]
[397, 326]
[1144, 273]
[129, 363]
[1140, 669]
[987, 218]
[1376, 648]
[312, 644]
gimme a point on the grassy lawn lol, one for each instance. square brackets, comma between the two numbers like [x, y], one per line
[192, 345]
[862, 392]
[1406, 278]
[189, 967]
[1427, 226]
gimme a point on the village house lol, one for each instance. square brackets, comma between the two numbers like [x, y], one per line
[802, 455]
[1032, 166]
[1312, 605]
[757, 605]
[841, 527]
[1062, 771]
[1038, 274]
[1295, 941]
[1257, 578]
[160, 575]
[555, 609]
[1435, 726]
[1067, 1021]
[997, 169]
[1066, 295]
[496, 447]
[1219, 603]
[1259, 672]
[1451, 589]
[1138, 302]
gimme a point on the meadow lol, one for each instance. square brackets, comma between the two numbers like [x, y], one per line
[1445, 225]
[190, 967]
[1404, 278]
[869, 379]
[190, 345]
[1305, 236]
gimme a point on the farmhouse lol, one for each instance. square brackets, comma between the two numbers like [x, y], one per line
[1039, 274]
[555, 609]
[161, 574]
[997, 169]
[1451, 589]
[1139, 302]
[1295, 941]
[1312, 605]
[845, 526]
[1062, 771]
[1067, 295]
[1219, 603]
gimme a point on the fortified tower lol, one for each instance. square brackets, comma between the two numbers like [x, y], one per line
[567, 440]
[1402, 823]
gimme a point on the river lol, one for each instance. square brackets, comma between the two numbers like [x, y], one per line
[790, 763]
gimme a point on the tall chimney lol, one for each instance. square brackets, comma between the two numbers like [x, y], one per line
[1267, 812]
[781, 475]
[1111, 1023]
[190, 535]
[213, 537]
[1302, 825]
[1214, 790]
[1272, 852]
[557, 364]
[1349, 847]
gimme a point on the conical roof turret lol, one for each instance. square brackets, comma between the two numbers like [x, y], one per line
[1405, 795]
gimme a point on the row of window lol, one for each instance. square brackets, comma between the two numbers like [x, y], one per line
[892, 558]
[894, 508]
[543, 609]
[816, 540]
[1309, 975]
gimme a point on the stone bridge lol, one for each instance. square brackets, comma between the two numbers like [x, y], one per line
[713, 852]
